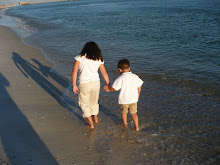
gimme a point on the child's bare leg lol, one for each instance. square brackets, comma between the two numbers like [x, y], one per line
[135, 120]
[124, 118]
[91, 125]
[95, 119]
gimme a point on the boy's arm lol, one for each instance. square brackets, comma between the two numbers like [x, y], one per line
[104, 73]
[115, 86]
[109, 88]
[139, 91]
[74, 76]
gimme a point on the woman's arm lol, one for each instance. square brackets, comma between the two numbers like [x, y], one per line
[74, 76]
[104, 73]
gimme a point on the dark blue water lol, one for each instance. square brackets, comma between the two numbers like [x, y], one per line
[173, 45]
[176, 41]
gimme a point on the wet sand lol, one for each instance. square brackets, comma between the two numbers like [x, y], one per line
[35, 125]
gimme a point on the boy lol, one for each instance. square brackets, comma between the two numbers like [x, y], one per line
[129, 85]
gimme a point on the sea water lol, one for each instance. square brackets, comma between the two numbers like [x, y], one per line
[173, 45]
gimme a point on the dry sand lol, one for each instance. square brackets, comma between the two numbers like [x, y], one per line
[35, 127]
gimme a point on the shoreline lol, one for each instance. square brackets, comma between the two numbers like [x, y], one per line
[203, 88]
[35, 125]
[32, 3]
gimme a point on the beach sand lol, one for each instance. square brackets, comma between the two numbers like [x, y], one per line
[39, 124]
[35, 126]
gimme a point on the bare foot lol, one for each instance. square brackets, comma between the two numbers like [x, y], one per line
[89, 127]
[125, 125]
[95, 120]
[136, 128]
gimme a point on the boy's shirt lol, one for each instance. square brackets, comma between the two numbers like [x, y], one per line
[128, 84]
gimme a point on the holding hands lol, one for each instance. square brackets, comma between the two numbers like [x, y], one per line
[106, 88]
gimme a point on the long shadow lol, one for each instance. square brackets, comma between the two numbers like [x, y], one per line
[21, 143]
[30, 71]
[46, 71]
[61, 80]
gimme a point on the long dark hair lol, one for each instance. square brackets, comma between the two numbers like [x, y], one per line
[92, 51]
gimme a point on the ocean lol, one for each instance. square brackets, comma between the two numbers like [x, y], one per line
[172, 45]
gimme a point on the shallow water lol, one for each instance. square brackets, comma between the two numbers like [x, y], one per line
[176, 127]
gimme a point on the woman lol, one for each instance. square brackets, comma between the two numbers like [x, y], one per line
[88, 63]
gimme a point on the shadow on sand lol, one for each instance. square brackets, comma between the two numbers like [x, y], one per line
[21, 143]
[29, 70]
[38, 74]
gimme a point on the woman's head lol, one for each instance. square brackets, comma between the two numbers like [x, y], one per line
[92, 51]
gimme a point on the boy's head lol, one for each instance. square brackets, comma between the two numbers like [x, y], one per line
[123, 66]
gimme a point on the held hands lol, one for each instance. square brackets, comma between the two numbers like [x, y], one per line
[75, 90]
[106, 88]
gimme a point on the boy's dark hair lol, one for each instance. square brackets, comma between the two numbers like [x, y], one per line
[92, 51]
[123, 64]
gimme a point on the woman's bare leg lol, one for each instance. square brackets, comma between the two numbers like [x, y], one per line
[95, 119]
[91, 125]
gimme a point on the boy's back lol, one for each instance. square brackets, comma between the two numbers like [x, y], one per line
[128, 84]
